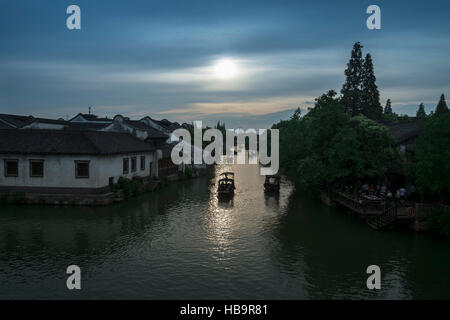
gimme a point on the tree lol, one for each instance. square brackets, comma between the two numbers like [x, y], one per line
[370, 104]
[442, 106]
[297, 114]
[351, 90]
[377, 149]
[421, 114]
[432, 156]
[388, 107]
[314, 165]
[327, 146]
[388, 115]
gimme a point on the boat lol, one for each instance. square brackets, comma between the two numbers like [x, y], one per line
[272, 183]
[226, 184]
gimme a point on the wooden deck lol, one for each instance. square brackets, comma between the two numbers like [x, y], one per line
[378, 214]
[359, 206]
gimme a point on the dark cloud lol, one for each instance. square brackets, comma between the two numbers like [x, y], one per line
[301, 47]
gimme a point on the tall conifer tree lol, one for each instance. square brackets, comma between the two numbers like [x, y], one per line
[370, 100]
[421, 114]
[388, 107]
[442, 106]
[351, 90]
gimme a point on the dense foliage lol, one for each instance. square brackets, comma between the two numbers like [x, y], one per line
[442, 106]
[130, 187]
[351, 90]
[360, 93]
[421, 114]
[432, 156]
[327, 146]
[371, 106]
[439, 222]
[344, 139]
[388, 107]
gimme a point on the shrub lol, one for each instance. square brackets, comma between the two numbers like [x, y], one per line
[188, 172]
[130, 188]
[18, 197]
[4, 198]
[41, 201]
[439, 222]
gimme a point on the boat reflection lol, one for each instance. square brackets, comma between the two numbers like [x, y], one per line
[272, 200]
[225, 203]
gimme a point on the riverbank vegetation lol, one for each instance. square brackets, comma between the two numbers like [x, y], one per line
[439, 222]
[327, 146]
[129, 187]
[345, 139]
[12, 198]
[430, 167]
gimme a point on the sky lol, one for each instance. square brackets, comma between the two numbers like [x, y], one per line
[247, 63]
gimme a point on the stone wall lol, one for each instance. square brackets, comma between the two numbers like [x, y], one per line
[61, 199]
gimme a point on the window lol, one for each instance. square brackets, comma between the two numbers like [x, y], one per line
[125, 165]
[36, 168]
[11, 168]
[133, 164]
[81, 169]
[142, 162]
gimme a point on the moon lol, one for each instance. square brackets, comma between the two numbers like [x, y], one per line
[225, 69]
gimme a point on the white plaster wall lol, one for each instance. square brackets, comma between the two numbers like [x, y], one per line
[153, 125]
[38, 125]
[121, 127]
[112, 166]
[59, 171]
[79, 118]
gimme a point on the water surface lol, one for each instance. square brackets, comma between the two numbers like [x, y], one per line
[182, 243]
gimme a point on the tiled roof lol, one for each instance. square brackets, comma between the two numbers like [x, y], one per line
[152, 132]
[5, 126]
[91, 117]
[52, 121]
[82, 126]
[403, 131]
[16, 120]
[30, 141]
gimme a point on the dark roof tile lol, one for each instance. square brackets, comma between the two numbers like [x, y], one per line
[152, 132]
[403, 131]
[86, 126]
[16, 120]
[31, 141]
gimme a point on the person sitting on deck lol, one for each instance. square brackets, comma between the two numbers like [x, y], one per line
[389, 195]
[412, 193]
[397, 196]
[402, 193]
[377, 190]
[365, 188]
[371, 190]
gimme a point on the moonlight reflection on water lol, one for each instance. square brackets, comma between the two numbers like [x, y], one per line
[182, 243]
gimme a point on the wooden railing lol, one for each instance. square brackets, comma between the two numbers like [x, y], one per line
[385, 220]
[382, 214]
[359, 205]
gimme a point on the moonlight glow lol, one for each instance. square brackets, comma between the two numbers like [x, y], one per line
[225, 69]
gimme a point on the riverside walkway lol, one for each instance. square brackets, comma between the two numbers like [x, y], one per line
[379, 214]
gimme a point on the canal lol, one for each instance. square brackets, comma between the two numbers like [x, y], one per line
[181, 243]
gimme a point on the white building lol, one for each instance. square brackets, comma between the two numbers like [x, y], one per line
[61, 161]
[157, 133]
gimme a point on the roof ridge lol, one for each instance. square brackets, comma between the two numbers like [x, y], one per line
[86, 134]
